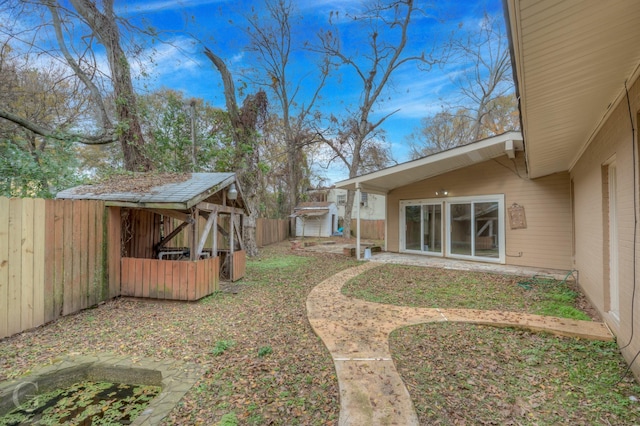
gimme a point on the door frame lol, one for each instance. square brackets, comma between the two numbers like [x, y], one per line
[445, 226]
[612, 243]
[403, 225]
[497, 198]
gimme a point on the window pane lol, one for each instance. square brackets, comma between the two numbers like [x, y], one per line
[486, 230]
[412, 231]
[432, 228]
[461, 229]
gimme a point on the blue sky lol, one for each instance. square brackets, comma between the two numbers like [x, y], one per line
[187, 26]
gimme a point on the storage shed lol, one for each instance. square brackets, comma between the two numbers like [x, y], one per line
[175, 235]
[316, 219]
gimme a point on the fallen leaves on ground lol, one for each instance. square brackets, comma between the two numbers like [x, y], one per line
[446, 288]
[461, 374]
[294, 384]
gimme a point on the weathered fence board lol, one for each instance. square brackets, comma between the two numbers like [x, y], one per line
[4, 266]
[14, 298]
[51, 260]
[239, 261]
[114, 249]
[370, 229]
[27, 288]
[269, 231]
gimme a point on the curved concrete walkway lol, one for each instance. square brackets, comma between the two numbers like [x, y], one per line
[356, 333]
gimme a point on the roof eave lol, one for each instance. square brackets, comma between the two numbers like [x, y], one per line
[362, 182]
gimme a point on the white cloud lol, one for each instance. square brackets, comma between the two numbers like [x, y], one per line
[417, 94]
[161, 5]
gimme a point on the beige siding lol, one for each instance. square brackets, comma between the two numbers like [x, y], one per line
[615, 138]
[546, 242]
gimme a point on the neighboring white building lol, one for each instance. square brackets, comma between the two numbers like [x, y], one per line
[372, 207]
[316, 219]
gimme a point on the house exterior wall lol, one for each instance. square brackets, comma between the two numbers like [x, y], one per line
[373, 210]
[590, 185]
[546, 242]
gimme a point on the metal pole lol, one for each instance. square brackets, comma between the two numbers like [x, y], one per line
[358, 197]
[193, 135]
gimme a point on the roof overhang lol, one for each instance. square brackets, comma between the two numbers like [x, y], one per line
[571, 60]
[182, 196]
[311, 212]
[383, 181]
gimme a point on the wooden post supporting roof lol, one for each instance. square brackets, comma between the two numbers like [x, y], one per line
[205, 233]
[193, 241]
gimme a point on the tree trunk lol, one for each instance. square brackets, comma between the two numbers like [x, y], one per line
[128, 130]
[293, 173]
[244, 133]
[348, 211]
[249, 229]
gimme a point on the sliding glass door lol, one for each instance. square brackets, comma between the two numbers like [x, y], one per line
[474, 227]
[423, 228]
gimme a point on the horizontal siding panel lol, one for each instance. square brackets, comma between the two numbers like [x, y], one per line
[546, 242]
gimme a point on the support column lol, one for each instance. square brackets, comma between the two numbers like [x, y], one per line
[358, 198]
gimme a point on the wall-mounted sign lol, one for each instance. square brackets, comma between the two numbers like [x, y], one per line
[517, 219]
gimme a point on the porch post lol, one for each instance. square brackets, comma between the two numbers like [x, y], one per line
[193, 255]
[358, 196]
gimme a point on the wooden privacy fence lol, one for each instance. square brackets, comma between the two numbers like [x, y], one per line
[55, 260]
[52, 260]
[269, 231]
[370, 229]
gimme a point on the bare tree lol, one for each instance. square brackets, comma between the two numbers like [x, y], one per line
[440, 132]
[486, 105]
[245, 122]
[101, 24]
[484, 56]
[273, 39]
[386, 25]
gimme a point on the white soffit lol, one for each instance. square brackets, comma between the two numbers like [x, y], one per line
[572, 58]
[385, 180]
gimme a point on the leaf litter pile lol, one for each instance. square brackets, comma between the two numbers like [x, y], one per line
[264, 365]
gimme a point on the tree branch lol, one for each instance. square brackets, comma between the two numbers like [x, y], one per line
[102, 139]
[227, 81]
[93, 89]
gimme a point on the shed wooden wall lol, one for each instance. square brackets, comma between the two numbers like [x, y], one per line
[141, 232]
[545, 243]
[169, 279]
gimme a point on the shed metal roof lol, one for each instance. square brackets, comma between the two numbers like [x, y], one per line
[185, 194]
